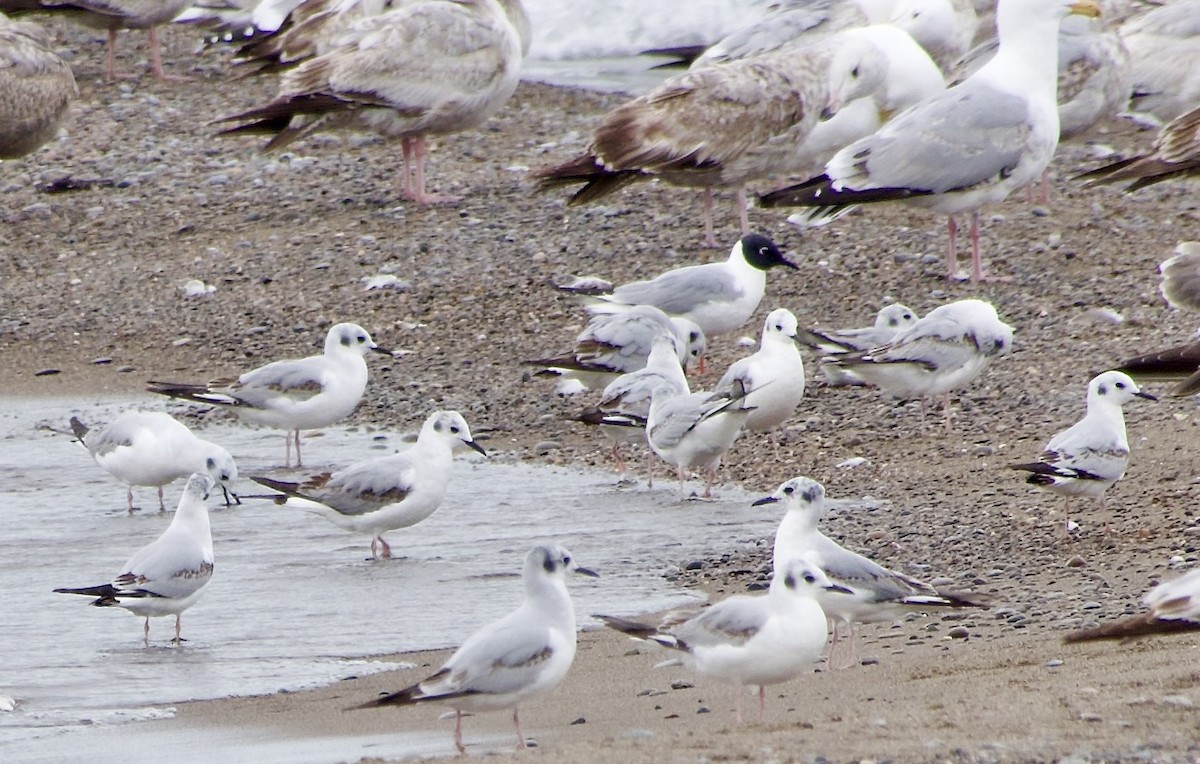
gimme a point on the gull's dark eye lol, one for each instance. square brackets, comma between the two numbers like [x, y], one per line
[362, 338]
[211, 462]
[1120, 385]
[854, 72]
[567, 560]
[454, 429]
[789, 490]
[908, 316]
[809, 578]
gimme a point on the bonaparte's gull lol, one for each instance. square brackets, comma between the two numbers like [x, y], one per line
[618, 340]
[513, 660]
[745, 640]
[719, 297]
[166, 576]
[966, 147]
[695, 430]
[870, 591]
[418, 70]
[389, 492]
[890, 321]
[152, 448]
[943, 351]
[1091, 455]
[293, 395]
[773, 377]
[1174, 607]
[624, 405]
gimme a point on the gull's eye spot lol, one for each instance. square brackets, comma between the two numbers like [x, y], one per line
[809, 578]
[1120, 385]
[789, 490]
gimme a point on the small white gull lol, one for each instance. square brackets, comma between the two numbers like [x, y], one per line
[745, 640]
[166, 576]
[695, 430]
[153, 449]
[773, 377]
[511, 661]
[389, 492]
[869, 592]
[293, 395]
[889, 321]
[1091, 455]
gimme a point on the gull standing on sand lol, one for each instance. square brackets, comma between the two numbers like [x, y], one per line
[1174, 607]
[520, 657]
[389, 492]
[889, 321]
[152, 448]
[36, 88]
[617, 340]
[110, 16]
[966, 147]
[427, 68]
[166, 576]
[744, 640]
[1174, 155]
[945, 350]
[624, 406]
[695, 430]
[722, 126]
[772, 378]
[1091, 455]
[293, 395]
[868, 591]
[1180, 286]
[717, 297]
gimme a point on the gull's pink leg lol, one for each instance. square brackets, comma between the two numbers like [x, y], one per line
[129, 498]
[112, 54]
[387, 550]
[946, 411]
[762, 703]
[146, 632]
[833, 643]
[406, 150]
[178, 629]
[709, 239]
[458, 743]
[287, 449]
[743, 215]
[649, 469]
[952, 252]
[616, 452]
[976, 262]
[161, 507]
[420, 196]
[517, 724]
[299, 461]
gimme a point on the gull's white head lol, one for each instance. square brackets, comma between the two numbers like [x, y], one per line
[800, 493]
[895, 318]
[908, 75]
[781, 324]
[1114, 388]
[800, 577]
[449, 426]
[350, 338]
[198, 486]
[696, 342]
[220, 465]
[859, 68]
[552, 561]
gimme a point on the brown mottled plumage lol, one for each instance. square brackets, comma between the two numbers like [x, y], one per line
[1175, 154]
[36, 88]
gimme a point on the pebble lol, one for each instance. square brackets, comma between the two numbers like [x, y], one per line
[46, 372]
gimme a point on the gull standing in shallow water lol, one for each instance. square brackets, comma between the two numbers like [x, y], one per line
[717, 297]
[945, 350]
[1091, 455]
[772, 378]
[523, 655]
[425, 68]
[695, 430]
[868, 591]
[1174, 607]
[153, 448]
[293, 395]
[966, 147]
[166, 576]
[388, 492]
[746, 640]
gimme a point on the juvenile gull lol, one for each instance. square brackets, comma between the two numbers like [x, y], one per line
[36, 88]
[889, 321]
[389, 492]
[773, 377]
[868, 591]
[1091, 455]
[695, 430]
[1175, 154]
[1174, 607]
[506, 663]
[427, 68]
[166, 576]
[152, 448]
[293, 395]
[966, 147]
[1164, 47]
[618, 340]
[718, 297]
[1180, 286]
[624, 405]
[943, 351]
[744, 640]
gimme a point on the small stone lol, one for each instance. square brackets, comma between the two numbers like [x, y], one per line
[580, 720]
[46, 372]
[546, 446]
[1054, 663]
[694, 565]
[1090, 716]
[959, 632]
[101, 361]
[703, 710]
[1076, 562]
[681, 684]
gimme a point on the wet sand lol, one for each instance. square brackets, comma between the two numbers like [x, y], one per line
[93, 276]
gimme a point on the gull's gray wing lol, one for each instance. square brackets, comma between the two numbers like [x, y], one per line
[968, 135]
[679, 291]
[300, 379]
[733, 621]
[679, 415]
[364, 486]
[857, 572]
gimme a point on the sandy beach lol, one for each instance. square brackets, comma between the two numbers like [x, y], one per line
[91, 303]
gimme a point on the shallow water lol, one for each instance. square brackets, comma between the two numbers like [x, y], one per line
[295, 601]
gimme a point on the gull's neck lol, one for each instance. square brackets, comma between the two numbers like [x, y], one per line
[549, 595]
[1027, 59]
